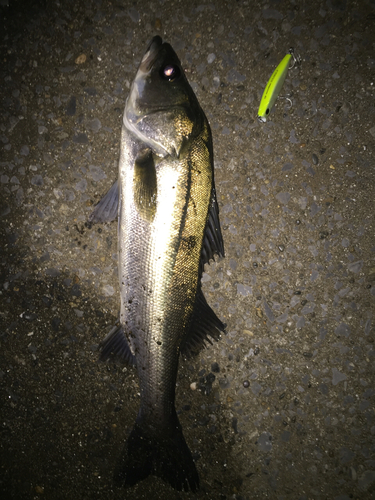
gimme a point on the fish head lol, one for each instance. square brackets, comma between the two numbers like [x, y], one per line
[162, 110]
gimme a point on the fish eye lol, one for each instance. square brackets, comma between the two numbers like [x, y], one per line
[170, 72]
[267, 111]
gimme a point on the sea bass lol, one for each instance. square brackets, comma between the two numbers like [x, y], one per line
[168, 229]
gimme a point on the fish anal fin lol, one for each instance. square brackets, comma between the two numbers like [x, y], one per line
[116, 344]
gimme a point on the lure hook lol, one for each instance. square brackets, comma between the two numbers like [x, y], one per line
[296, 58]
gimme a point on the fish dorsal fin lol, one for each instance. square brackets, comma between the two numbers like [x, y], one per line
[212, 240]
[107, 208]
[205, 326]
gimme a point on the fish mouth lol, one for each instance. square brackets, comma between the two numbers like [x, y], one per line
[151, 54]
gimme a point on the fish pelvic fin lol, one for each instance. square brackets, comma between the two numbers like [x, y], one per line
[107, 208]
[165, 456]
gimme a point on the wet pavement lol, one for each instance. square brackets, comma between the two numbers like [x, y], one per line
[283, 406]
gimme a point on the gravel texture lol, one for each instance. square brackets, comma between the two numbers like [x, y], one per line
[283, 406]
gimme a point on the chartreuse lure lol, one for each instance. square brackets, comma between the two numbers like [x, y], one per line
[275, 84]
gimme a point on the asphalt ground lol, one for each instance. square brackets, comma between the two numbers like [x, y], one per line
[283, 406]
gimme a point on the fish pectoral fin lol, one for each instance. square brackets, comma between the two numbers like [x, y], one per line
[107, 208]
[116, 344]
[213, 243]
[204, 326]
[145, 185]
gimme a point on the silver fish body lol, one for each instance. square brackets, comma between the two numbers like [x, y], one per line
[168, 228]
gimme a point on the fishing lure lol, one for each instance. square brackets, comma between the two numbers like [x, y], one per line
[275, 84]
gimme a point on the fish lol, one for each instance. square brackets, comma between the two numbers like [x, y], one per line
[168, 229]
[275, 84]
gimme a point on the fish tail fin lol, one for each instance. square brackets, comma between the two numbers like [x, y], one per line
[165, 456]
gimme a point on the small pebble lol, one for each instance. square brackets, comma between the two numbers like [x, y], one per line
[81, 59]
[315, 159]
[215, 368]
[211, 58]
[246, 384]
[193, 386]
